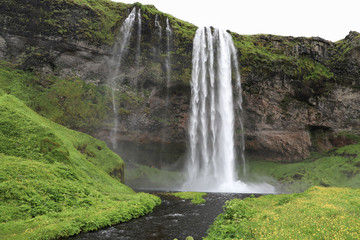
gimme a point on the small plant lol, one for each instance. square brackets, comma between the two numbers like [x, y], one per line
[195, 197]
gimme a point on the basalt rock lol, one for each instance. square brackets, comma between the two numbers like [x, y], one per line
[292, 87]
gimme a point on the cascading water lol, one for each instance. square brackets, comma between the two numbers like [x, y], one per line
[168, 66]
[138, 43]
[212, 156]
[157, 49]
[158, 26]
[164, 132]
[118, 51]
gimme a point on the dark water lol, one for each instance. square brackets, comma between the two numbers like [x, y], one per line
[174, 218]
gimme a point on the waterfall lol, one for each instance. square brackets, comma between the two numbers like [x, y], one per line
[164, 131]
[212, 155]
[158, 26]
[168, 66]
[119, 48]
[215, 110]
[137, 60]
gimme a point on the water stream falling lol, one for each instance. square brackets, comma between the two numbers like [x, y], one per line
[137, 60]
[118, 52]
[157, 25]
[159, 32]
[168, 66]
[215, 107]
[164, 131]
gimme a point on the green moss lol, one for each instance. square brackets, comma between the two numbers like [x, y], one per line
[89, 20]
[338, 168]
[195, 197]
[267, 55]
[182, 39]
[55, 182]
[342, 61]
[69, 102]
[109, 14]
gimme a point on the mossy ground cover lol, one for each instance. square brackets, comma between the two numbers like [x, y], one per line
[54, 181]
[270, 55]
[318, 213]
[89, 20]
[70, 102]
[195, 197]
[337, 167]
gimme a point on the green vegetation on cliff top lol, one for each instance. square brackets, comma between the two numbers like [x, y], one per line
[55, 182]
[269, 55]
[318, 213]
[94, 21]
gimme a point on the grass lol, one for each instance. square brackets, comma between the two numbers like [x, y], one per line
[338, 168]
[195, 197]
[328, 209]
[55, 182]
[318, 213]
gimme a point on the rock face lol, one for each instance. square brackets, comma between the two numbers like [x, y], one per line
[298, 92]
[288, 106]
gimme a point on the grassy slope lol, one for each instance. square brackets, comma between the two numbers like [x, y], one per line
[69, 102]
[337, 168]
[318, 213]
[49, 188]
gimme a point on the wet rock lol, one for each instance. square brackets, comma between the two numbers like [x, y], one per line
[278, 145]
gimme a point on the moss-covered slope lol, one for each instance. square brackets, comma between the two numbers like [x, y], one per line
[339, 167]
[54, 181]
[70, 101]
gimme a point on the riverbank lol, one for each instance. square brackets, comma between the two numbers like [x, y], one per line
[175, 218]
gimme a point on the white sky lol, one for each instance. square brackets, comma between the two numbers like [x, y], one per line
[329, 19]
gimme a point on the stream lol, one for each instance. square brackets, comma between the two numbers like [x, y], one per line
[174, 218]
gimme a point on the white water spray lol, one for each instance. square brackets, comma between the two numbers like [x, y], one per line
[119, 48]
[212, 156]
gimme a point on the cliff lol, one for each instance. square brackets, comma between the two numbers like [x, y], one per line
[299, 93]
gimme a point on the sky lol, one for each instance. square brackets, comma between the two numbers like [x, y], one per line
[328, 19]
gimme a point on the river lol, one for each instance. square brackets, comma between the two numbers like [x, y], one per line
[174, 218]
